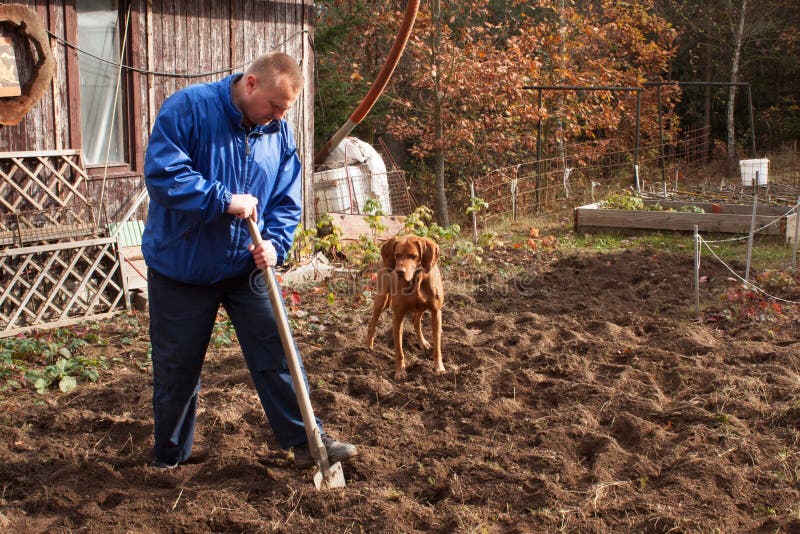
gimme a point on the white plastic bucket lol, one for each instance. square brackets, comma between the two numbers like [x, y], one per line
[749, 167]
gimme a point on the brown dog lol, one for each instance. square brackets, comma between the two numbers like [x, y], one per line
[410, 281]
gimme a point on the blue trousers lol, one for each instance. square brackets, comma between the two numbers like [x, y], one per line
[182, 318]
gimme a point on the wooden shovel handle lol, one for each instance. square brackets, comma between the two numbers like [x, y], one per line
[293, 360]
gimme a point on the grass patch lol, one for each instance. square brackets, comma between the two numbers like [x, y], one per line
[609, 242]
[769, 252]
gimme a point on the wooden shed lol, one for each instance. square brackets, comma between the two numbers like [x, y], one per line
[79, 149]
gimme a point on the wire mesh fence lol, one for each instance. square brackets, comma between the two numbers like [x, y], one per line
[346, 190]
[585, 173]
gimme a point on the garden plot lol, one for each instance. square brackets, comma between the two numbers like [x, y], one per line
[683, 216]
[580, 396]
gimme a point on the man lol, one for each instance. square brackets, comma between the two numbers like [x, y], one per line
[220, 153]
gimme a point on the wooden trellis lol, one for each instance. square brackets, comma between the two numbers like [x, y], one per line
[57, 264]
[59, 284]
[42, 198]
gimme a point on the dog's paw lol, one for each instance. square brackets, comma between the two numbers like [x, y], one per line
[426, 345]
[400, 374]
[438, 368]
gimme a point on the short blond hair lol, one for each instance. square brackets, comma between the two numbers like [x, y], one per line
[277, 65]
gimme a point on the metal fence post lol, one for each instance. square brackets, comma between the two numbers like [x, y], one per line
[752, 229]
[514, 199]
[796, 234]
[697, 271]
[474, 216]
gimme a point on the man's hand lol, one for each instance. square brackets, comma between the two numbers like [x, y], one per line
[264, 255]
[243, 206]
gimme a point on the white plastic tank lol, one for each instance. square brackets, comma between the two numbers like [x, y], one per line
[341, 190]
[352, 173]
[749, 168]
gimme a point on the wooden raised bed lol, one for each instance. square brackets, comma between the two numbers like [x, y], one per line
[718, 218]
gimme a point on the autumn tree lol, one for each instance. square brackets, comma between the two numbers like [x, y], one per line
[350, 45]
[461, 101]
[719, 41]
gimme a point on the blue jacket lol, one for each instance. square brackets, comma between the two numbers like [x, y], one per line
[199, 154]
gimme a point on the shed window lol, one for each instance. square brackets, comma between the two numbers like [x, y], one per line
[102, 121]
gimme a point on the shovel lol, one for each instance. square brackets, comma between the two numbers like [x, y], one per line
[328, 476]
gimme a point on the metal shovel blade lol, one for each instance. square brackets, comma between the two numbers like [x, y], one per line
[327, 476]
[334, 478]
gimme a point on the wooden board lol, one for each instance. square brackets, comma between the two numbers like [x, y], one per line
[9, 79]
[590, 217]
[792, 228]
[353, 226]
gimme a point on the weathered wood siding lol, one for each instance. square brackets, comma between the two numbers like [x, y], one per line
[171, 37]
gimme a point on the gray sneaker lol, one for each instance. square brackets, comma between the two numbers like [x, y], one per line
[337, 452]
[199, 455]
[162, 465]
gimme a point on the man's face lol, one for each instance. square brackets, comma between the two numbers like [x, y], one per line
[266, 101]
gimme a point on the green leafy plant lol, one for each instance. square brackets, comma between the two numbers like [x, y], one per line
[417, 222]
[476, 205]
[691, 209]
[488, 239]
[64, 372]
[631, 201]
[420, 223]
[363, 252]
[622, 200]
[53, 358]
[374, 216]
[468, 252]
[325, 237]
[223, 334]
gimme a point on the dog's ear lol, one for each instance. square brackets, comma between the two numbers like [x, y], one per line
[429, 253]
[387, 253]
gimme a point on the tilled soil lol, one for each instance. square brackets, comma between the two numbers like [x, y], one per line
[580, 395]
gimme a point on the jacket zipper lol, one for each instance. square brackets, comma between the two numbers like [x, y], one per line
[238, 222]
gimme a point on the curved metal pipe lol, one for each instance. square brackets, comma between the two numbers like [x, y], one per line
[377, 86]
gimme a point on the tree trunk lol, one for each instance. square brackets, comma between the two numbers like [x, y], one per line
[738, 37]
[441, 190]
[707, 105]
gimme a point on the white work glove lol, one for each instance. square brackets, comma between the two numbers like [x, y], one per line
[243, 206]
[264, 255]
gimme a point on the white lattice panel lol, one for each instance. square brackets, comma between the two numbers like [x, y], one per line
[59, 284]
